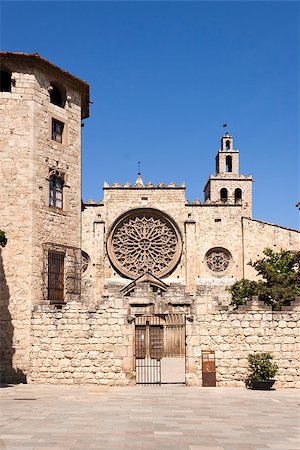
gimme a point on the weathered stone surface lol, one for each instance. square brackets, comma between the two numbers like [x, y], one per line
[91, 338]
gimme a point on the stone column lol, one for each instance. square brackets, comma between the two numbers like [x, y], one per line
[99, 255]
[190, 255]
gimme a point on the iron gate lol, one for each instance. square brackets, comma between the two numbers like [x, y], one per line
[160, 349]
[148, 349]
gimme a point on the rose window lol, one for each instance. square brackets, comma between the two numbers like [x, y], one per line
[144, 241]
[84, 261]
[218, 259]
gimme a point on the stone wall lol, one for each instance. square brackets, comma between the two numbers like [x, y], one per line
[16, 174]
[77, 345]
[202, 228]
[258, 235]
[28, 153]
[223, 181]
[233, 334]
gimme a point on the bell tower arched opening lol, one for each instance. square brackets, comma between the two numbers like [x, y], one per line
[223, 195]
[228, 163]
[238, 195]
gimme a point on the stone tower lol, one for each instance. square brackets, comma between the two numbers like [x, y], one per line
[228, 187]
[41, 111]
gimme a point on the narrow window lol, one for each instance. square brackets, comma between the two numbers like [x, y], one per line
[56, 192]
[56, 96]
[57, 131]
[228, 163]
[5, 81]
[238, 195]
[223, 195]
[227, 143]
[56, 276]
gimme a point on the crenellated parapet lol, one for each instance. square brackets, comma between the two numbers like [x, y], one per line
[140, 185]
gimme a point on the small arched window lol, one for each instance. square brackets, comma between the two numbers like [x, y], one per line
[56, 191]
[5, 81]
[56, 96]
[238, 195]
[223, 195]
[228, 163]
[227, 144]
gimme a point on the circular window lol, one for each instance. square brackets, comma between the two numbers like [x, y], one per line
[218, 259]
[144, 240]
[85, 259]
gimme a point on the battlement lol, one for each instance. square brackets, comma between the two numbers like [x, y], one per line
[141, 185]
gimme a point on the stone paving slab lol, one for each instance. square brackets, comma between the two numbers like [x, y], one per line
[47, 417]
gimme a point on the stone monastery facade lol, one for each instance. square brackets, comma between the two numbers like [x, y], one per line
[131, 289]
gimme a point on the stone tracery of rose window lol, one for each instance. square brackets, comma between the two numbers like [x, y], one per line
[143, 242]
[218, 259]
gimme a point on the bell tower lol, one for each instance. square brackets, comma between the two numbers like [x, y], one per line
[227, 159]
[228, 187]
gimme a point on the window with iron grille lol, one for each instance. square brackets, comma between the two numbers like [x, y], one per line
[56, 191]
[56, 275]
[57, 131]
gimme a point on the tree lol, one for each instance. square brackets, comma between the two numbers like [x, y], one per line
[280, 282]
[3, 239]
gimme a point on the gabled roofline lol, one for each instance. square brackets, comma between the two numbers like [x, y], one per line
[271, 224]
[35, 58]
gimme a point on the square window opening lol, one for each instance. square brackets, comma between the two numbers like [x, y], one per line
[57, 131]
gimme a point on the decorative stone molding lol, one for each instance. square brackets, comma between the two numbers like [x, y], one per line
[146, 282]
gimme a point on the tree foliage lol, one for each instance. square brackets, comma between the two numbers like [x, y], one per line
[280, 283]
[3, 239]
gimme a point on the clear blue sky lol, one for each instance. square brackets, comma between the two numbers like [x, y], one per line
[165, 76]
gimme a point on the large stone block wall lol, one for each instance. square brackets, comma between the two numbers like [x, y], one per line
[75, 345]
[78, 345]
[235, 334]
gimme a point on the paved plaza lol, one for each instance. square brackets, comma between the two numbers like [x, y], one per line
[163, 417]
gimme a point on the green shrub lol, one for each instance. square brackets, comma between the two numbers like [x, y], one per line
[261, 367]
